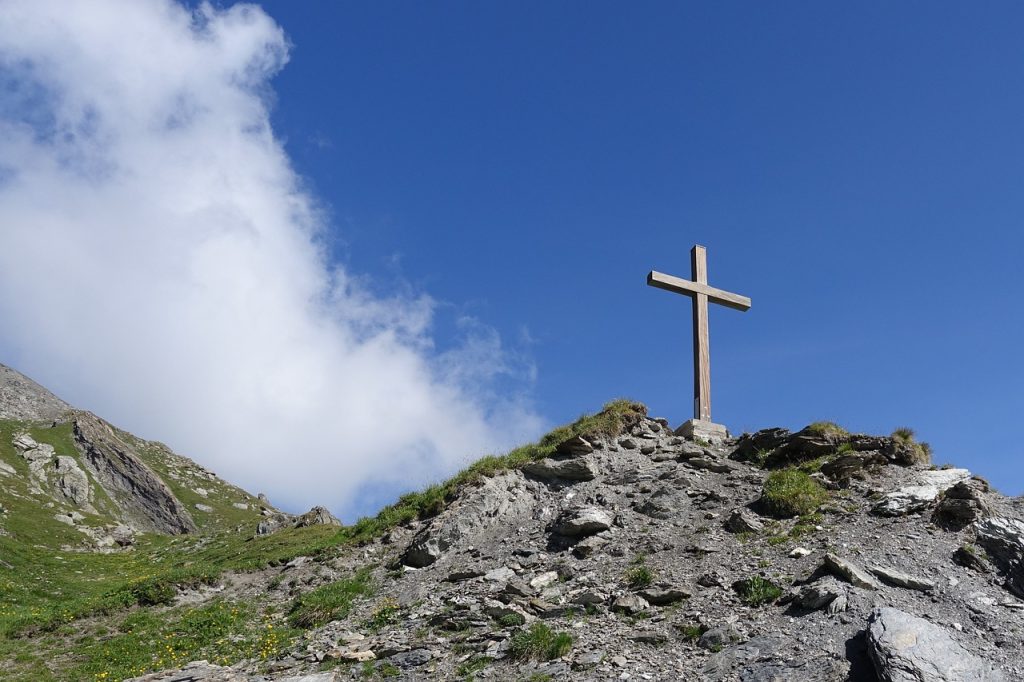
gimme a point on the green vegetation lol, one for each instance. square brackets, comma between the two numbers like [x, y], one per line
[332, 601]
[914, 452]
[511, 620]
[470, 668]
[540, 643]
[59, 601]
[827, 429]
[384, 615]
[614, 418]
[757, 591]
[791, 492]
[639, 575]
[691, 632]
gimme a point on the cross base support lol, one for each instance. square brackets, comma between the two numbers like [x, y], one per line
[700, 428]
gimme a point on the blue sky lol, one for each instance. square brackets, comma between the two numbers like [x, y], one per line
[855, 169]
[470, 196]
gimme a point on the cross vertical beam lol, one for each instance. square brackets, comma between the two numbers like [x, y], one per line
[701, 339]
[702, 294]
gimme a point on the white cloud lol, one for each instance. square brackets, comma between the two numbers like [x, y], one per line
[160, 264]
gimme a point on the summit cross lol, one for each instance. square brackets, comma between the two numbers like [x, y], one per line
[701, 293]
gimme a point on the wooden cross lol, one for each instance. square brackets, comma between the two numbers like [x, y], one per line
[701, 293]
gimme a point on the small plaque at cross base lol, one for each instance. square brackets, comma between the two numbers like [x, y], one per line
[697, 288]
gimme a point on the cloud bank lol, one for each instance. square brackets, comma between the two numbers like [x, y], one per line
[161, 263]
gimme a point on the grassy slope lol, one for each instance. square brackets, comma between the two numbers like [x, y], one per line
[76, 615]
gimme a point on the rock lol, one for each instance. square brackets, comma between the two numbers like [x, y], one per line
[357, 655]
[461, 574]
[411, 659]
[317, 516]
[819, 594]
[500, 574]
[845, 468]
[567, 468]
[630, 604]
[969, 558]
[719, 637]
[145, 501]
[271, 524]
[1002, 538]
[240, 505]
[916, 498]
[544, 579]
[123, 536]
[663, 595]
[743, 521]
[6, 469]
[725, 664]
[71, 482]
[961, 505]
[665, 503]
[798, 553]
[905, 648]
[849, 572]
[588, 659]
[589, 597]
[583, 521]
[25, 400]
[203, 507]
[574, 447]
[898, 579]
[627, 443]
[709, 464]
[586, 547]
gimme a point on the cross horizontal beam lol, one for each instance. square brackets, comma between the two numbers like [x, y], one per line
[691, 288]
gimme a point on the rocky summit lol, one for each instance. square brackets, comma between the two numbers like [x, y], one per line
[613, 549]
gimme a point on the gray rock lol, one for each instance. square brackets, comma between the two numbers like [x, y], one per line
[575, 446]
[203, 507]
[665, 503]
[1002, 538]
[411, 659]
[743, 521]
[961, 505]
[627, 443]
[317, 516]
[630, 604]
[568, 468]
[916, 498]
[709, 464]
[71, 482]
[587, 546]
[25, 400]
[663, 595]
[849, 571]
[819, 594]
[718, 638]
[897, 579]
[583, 521]
[905, 648]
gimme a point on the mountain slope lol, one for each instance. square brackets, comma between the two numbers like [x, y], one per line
[611, 549]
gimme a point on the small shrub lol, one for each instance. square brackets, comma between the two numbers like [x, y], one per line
[511, 620]
[639, 575]
[691, 632]
[473, 666]
[330, 602]
[540, 643]
[827, 429]
[385, 614]
[756, 591]
[389, 670]
[911, 452]
[791, 492]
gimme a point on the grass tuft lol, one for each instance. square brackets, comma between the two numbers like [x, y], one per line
[330, 602]
[791, 492]
[827, 429]
[757, 591]
[540, 643]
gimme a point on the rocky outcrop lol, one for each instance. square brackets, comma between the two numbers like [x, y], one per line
[906, 648]
[317, 516]
[25, 400]
[144, 499]
[922, 495]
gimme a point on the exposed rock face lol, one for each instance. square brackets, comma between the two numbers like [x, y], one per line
[25, 400]
[147, 503]
[71, 481]
[923, 494]
[962, 504]
[905, 648]
[317, 516]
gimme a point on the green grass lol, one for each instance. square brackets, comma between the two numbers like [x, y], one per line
[791, 492]
[691, 632]
[540, 643]
[827, 429]
[639, 575]
[511, 620]
[757, 591]
[329, 602]
[56, 596]
[914, 452]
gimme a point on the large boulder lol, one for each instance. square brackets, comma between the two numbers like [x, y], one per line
[582, 521]
[905, 648]
[922, 494]
[317, 516]
[565, 468]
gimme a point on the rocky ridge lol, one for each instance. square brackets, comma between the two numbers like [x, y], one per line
[645, 555]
